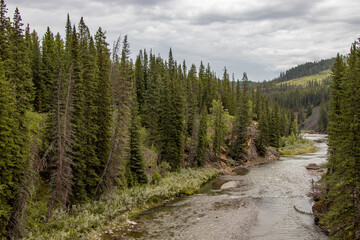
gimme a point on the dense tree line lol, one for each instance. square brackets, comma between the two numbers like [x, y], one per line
[342, 196]
[296, 97]
[98, 104]
[306, 69]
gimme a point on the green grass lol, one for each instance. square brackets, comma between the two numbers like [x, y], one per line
[89, 220]
[296, 146]
[304, 80]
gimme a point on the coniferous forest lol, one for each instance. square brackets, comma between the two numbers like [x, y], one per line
[76, 116]
[80, 120]
[339, 204]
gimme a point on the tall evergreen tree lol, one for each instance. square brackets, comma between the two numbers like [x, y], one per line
[139, 79]
[172, 117]
[48, 73]
[136, 161]
[343, 216]
[104, 105]
[152, 100]
[8, 123]
[275, 131]
[241, 124]
[202, 144]
[219, 123]
[35, 63]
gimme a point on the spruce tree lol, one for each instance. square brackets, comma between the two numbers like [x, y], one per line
[35, 61]
[136, 161]
[241, 124]
[46, 87]
[152, 101]
[172, 117]
[104, 105]
[78, 120]
[219, 124]
[202, 144]
[275, 130]
[343, 216]
[139, 79]
[8, 123]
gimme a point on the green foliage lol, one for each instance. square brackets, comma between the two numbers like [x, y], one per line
[241, 124]
[155, 178]
[95, 128]
[202, 145]
[7, 143]
[343, 181]
[275, 130]
[219, 122]
[136, 161]
[171, 119]
[91, 219]
[306, 69]
[303, 81]
[293, 145]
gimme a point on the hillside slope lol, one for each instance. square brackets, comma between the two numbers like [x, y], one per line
[311, 123]
[303, 81]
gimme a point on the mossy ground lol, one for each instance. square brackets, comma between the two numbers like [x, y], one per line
[295, 146]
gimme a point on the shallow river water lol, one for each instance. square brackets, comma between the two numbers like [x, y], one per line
[262, 206]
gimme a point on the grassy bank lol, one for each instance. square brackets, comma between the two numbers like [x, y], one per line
[89, 220]
[294, 146]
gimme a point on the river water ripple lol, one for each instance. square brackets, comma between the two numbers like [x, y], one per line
[261, 207]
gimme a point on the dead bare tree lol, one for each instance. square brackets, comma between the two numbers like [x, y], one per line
[62, 160]
[119, 147]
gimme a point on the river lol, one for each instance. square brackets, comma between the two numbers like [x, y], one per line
[262, 206]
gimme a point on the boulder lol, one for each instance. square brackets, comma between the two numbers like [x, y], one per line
[230, 184]
[312, 166]
[272, 155]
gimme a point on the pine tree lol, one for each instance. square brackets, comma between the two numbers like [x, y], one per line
[78, 120]
[275, 130]
[35, 61]
[46, 87]
[202, 144]
[152, 101]
[241, 124]
[136, 161]
[219, 123]
[104, 109]
[60, 133]
[18, 76]
[172, 117]
[226, 92]
[8, 123]
[139, 79]
[343, 217]
[192, 102]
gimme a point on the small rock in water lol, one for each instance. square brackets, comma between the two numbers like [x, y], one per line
[312, 166]
[230, 184]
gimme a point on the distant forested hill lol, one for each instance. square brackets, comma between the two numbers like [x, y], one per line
[302, 89]
[306, 69]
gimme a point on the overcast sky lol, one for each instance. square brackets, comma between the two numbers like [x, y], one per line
[261, 38]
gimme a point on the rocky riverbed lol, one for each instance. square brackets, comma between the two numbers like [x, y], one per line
[262, 202]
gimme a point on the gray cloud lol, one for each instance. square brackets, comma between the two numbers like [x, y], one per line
[260, 37]
[258, 13]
